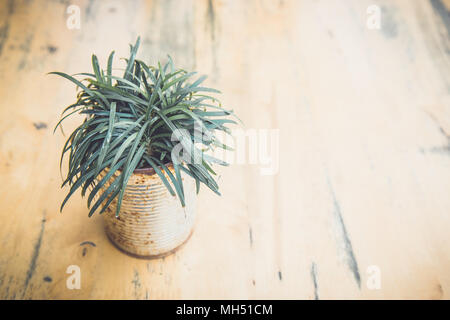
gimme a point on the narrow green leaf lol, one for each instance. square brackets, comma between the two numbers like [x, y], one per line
[109, 70]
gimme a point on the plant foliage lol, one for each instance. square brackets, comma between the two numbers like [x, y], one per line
[130, 122]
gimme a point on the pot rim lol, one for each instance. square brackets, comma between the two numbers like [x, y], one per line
[150, 171]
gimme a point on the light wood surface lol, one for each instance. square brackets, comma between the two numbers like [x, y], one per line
[364, 178]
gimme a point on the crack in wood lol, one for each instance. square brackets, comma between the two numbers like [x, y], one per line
[34, 257]
[445, 149]
[211, 20]
[89, 243]
[39, 125]
[4, 32]
[440, 9]
[136, 282]
[344, 237]
[314, 280]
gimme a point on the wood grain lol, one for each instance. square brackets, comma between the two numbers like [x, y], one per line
[364, 120]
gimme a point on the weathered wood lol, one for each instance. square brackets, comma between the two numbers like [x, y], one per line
[364, 149]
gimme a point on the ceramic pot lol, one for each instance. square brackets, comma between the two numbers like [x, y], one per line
[151, 223]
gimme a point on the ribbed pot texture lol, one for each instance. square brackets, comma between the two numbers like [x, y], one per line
[151, 223]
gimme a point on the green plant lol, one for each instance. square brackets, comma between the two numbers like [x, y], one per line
[130, 123]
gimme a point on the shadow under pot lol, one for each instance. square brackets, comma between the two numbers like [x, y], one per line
[152, 223]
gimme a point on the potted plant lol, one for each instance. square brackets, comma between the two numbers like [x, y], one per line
[142, 149]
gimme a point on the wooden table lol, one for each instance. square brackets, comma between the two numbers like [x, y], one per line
[364, 144]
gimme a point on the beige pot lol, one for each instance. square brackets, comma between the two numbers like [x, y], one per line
[151, 223]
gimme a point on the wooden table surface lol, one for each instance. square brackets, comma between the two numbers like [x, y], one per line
[364, 145]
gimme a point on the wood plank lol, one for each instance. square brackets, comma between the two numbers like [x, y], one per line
[364, 145]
